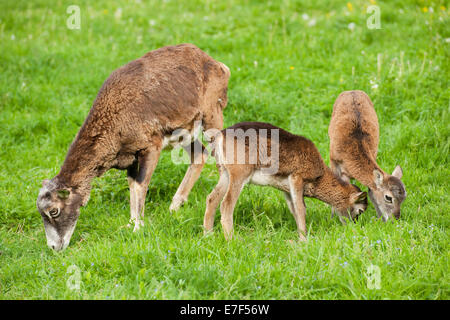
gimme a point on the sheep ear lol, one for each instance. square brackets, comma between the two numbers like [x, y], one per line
[63, 194]
[378, 177]
[359, 197]
[398, 172]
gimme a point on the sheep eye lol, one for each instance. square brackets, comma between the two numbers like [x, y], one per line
[388, 199]
[54, 213]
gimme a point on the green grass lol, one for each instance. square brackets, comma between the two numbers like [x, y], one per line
[285, 70]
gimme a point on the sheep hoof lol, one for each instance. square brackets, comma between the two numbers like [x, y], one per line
[176, 204]
[137, 225]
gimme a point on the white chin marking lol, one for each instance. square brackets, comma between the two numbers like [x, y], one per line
[53, 239]
[68, 235]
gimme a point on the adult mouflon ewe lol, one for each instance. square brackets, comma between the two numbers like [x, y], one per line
[132, 119]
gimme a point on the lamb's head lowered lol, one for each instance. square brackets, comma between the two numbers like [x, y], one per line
[59, 207]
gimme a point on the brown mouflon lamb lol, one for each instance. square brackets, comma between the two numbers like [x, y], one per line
[132, 119]
[262, 154]
[354, 136]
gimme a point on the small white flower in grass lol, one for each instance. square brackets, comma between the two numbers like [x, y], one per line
[255, 63]
[139, 39]
[305, 16]
[447, 40]
[351, 26]
[118, 13]
[373, 84]
[151, 22]
[312, 23]
[13, 37]
[431, 9]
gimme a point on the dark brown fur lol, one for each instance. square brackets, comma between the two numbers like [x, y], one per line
[137, 106]
[301, 172]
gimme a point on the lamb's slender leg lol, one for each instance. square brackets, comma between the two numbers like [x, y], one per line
[198, 159]
[213, 200]
[296, 186]
[132, 173]
[139, 175]
[288, 198]
[237, 178]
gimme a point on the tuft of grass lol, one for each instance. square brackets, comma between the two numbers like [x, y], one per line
[289, 61]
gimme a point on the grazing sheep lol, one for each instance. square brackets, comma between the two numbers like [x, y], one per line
[132, 119]
[295, 167]
[354, 136]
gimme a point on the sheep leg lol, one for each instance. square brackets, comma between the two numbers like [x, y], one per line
[289, 202]
[213, 200]
[296, 194]
[139, 175]
[237, 178]
[198, 159]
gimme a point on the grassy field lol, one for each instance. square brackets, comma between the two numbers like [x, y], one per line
[289, 60]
